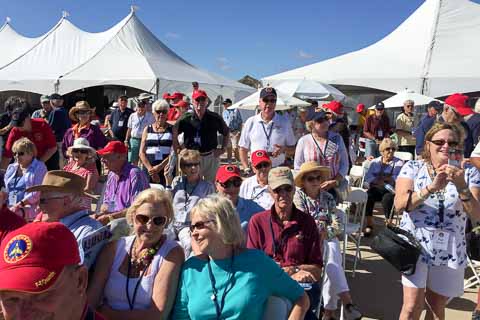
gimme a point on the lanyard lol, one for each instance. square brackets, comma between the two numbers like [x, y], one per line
[274, 242]
[254, 196]
[16, 178]
[269, 134]
[187, 195]
[322, 153]
[440, 197]
[230, 282]
[383, 166]
[141, 122]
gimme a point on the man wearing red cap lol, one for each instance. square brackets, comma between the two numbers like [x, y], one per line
[200, 130]
[124, 181]
[256, 187]
[173, 113]
[228, 182]
[338, 122]
[41, 275]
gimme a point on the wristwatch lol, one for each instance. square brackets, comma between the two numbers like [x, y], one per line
[296, 269]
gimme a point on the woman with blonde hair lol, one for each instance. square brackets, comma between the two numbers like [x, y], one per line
[226, 280]
[137, 276]
[24, 173]
[380, 182]
[436, 196]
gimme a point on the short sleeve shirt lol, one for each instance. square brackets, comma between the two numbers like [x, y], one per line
[379, 127]
[425, 219]
[119, 122]
[252, 190]
[233, 119]
[41, 135]
[138, 123]
[259, 135]
[407, 123]
[184, 201]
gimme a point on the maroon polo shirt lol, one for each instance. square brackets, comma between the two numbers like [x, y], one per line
[374, 124]
[296, 242]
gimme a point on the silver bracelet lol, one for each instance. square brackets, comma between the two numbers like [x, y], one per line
[419, 195]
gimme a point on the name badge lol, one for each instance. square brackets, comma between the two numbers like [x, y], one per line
[12, 198]
[440, 240]
[158, 155]
[380, 133]
[197, 140]
[111, 206]
[120, 123]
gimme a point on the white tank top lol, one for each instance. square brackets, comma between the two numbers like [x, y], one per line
[115, 289]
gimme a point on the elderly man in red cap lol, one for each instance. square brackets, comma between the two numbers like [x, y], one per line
[338, 121]
[42, 276]
[124, 181]
[200, 130]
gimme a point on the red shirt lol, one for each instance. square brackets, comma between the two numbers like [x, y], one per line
[9, 221]
[41, 135]
[378, 127]
[296, 242]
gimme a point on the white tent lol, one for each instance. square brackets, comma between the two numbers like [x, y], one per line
[398, 99]
[308, 89]
[128, 54]
[434, 52]
[285, 101]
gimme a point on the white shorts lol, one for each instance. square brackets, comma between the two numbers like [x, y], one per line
[442, 280]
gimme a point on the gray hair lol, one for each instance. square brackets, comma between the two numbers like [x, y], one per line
[409, 101]
[160, 104]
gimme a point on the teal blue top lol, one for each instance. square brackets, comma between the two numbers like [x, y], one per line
[256, 277]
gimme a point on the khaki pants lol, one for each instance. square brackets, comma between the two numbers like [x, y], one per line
[209, 165]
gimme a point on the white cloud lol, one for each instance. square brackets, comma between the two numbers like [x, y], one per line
[304, 55]
[223, 63]
[172, 35]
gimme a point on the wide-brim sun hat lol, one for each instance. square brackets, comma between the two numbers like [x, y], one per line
[309, 167]
[82, 143]
[79, 106]
[62, 181]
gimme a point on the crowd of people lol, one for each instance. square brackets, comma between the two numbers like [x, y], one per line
[172, 233]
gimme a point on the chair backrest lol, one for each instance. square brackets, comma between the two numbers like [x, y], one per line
[356, 171]
[366, 165]
[157, 186]
[357, 195]
[405, 156]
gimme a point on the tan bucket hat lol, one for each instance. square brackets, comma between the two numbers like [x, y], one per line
[79, 106]
[308, 167]
[62, 181]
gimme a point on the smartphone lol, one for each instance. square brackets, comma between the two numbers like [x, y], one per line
[454, 157]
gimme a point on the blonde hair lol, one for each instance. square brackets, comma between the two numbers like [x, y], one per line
[387, 143]
[25, 145]
[439, 126]
[156, 197]
[188, 155]
[220, 209]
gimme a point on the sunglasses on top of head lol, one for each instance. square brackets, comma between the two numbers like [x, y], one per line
[143, 219]
[231, 183]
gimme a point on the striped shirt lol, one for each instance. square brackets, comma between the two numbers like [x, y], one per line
[158, 144]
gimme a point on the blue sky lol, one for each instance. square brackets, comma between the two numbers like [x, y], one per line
[232, 38]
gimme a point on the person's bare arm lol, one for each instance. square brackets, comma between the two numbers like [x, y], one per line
[475, 162]
[243, 152]
[300, 308]
[100, 275]
[127, 136]
[143, 151]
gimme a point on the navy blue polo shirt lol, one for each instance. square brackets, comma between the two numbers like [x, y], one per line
[118, 121]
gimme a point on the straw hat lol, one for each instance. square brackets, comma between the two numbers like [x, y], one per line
[62, 181]
[79, 106]
[308, 167]
[82, 143]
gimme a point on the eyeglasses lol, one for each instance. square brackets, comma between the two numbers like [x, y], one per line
[390, 149]
[163, 111]
[82, 151]
[270, 100]
[287, 189]
[313, 178]
[409, 106]
[441, 142]
[18, 154]
[45, 200]
[262, 165]
[231, 183]
[199, 225]
[191, 164]
[83, 113]
[143, 219]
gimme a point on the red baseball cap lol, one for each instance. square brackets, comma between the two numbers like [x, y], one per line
[177, 95]
[360, 107]
[113, 147]
[199, 93]
[166, 96]
[260, 156]
[34, 256]
[459, 102]
[335, 107]
[226, 172]
[181, 104]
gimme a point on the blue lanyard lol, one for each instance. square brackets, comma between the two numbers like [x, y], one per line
[230, 283]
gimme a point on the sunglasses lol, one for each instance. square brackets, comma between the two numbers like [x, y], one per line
[263, 165]
[18, 154]
[389, 149]
[82, 151]
[143, 219]
[191, 164]
[231, 183]
[199, 225]
[313, 178]
[270, 100]
[83, 113]
[287, 189]
[161, 111]
[441, 142]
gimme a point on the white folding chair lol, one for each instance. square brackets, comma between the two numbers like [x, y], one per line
[355, 175]
[475, 279]
[157, 186]
[405, 156]
[361, 146]
[366, 165]
[352, 225]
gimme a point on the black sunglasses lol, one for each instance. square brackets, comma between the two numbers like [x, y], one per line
[82, 151]
[272, 100]
[231, 183]
[18, 154]
[83, 113]
[390, 149]
[191, 164]
[313, 178]
[161, 111]
[199, 225]
[262, 165]
[143, 219]
[286, 189]
[441, 142]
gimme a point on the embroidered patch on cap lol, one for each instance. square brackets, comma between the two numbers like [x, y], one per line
[230, 168]
[268, 89]
[260, 154]
[17, 248]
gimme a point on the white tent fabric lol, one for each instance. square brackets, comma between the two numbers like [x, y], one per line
[285, 101]
[433, 52]
[67, 59]
[13, 44]
[308, 89]
[398, 99]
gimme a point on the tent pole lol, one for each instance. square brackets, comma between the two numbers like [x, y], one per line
[157, 88]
